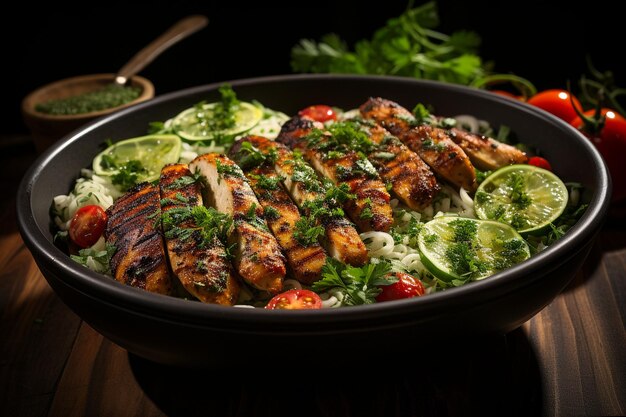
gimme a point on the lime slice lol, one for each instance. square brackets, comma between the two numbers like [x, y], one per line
[198, 123]
[153, 152]
[524, 196]
[458, 250]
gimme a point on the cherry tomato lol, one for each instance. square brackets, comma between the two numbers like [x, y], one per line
[540, 162]
[556, 102]
[406, 287]
[320, 113]
[295, 300]
[611, 142]
[87, 225]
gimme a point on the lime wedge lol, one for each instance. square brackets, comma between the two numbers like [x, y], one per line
[153, 152]
[197, 123]
[524, 196]
[458, 250]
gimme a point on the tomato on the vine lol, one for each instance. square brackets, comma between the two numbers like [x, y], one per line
[319, 113]
[295, 300]
[556, 102]
[610, 140]
[540, 162]
[87, 225]
[406, 287]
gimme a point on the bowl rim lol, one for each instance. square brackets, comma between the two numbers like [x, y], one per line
[30, 101]
[142, 302]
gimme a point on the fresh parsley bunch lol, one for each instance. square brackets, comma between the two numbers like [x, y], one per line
[407, 46]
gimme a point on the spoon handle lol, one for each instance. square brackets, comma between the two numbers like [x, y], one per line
[179, 31]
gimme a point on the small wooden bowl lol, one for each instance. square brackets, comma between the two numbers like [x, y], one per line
[47, 129]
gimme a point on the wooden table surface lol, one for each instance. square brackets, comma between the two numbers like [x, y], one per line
[569, 360]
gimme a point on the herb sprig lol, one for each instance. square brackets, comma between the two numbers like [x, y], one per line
[359, 285]
[406, 46]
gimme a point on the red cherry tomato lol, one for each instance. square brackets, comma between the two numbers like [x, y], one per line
[319, 113]
[611, 142]
[556, 102]
[540, 162]
[295, 300]
[87, 225]
[406, 287]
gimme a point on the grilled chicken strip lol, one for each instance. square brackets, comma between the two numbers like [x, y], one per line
[199, 262]
[305, 261]
[258, 258]
[412, 181]
[370, 210]
[139, 259]
[341, 240]
[487, 153]
[432, 144]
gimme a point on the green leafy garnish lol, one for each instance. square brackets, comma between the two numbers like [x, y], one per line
[96, 260]
[271, 213]
[359, 285]
[519, 198]
[225, 170]
[406, 46]
[248, 156]
[205, 224]
[127, 175]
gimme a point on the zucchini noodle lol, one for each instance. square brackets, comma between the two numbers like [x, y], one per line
[402, 252]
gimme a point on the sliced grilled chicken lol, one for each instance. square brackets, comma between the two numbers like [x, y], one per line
[412, 181]
[487, 153]
[305, 261]
[341, 240]
[370, 210]
[139, 259]
[199, 262]
[432, 144]
[258, 258]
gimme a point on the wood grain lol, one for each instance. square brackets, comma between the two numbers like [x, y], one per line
[568, 360]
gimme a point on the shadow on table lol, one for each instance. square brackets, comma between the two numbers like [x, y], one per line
[494, 376]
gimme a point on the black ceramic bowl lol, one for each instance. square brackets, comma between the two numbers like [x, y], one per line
[175, 331]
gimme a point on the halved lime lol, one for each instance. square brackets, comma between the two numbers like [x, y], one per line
[524, 196]
[198, 123]
[153, 152]
[458, 250]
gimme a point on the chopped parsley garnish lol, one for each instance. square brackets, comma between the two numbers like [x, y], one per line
[128, 175]
[265, 182]
[205, 223]
[224, 170]
[307, 231]
[340, 138]
[248, 156]
[224, 110]
[271, 213]
[366, 213]
[519, 198]
[252, 218]
[462, 253]
[304, 174]
[430, 145]
[361, 168]
[184, 181]
[359, 285]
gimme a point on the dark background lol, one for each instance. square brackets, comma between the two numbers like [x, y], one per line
[545, 42]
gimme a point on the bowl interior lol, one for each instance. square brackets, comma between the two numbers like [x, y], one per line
[55, 172]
